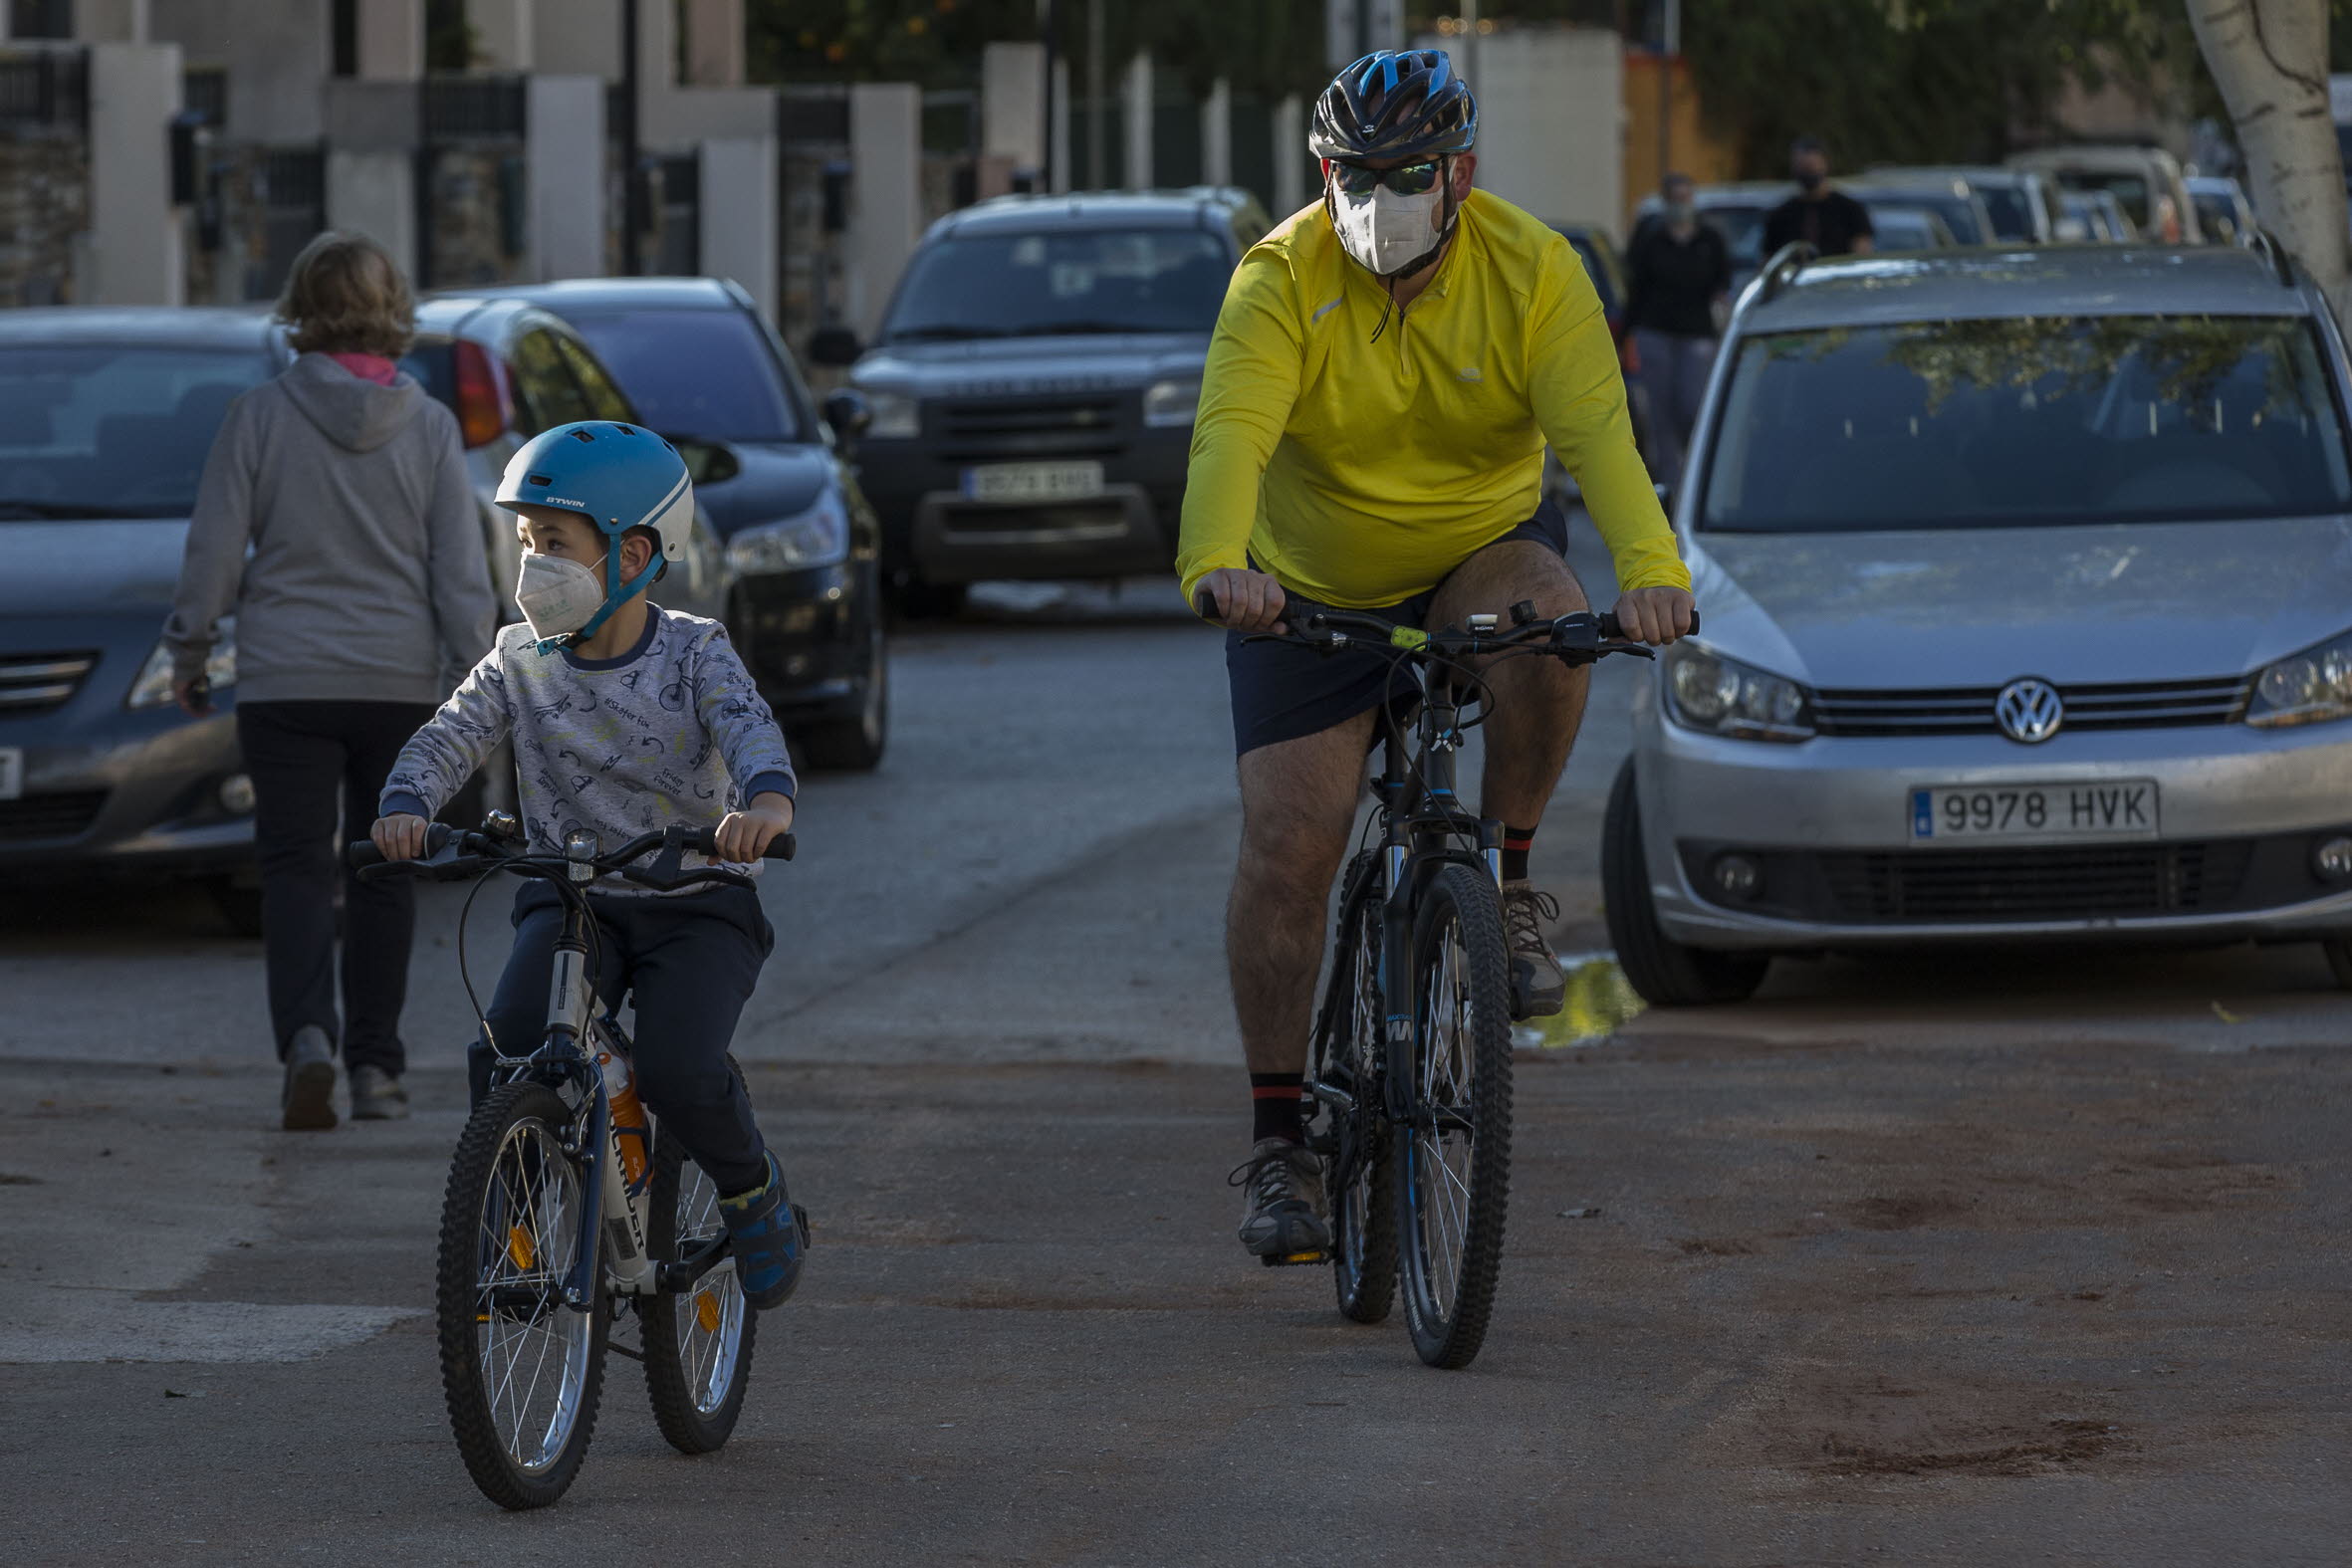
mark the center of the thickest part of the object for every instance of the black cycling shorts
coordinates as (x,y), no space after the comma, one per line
(1282,692)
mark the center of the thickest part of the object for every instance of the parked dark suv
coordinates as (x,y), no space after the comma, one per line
(1033,381)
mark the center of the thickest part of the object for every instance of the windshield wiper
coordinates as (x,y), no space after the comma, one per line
(944,330)
(16,509)
(1081,328)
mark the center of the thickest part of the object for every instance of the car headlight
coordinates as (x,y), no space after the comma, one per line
(2311,687)
(1706,691)
(896,416)
(1171,402)
(152,689)
(819,536)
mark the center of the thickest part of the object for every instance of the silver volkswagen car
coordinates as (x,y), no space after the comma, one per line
(2028,592)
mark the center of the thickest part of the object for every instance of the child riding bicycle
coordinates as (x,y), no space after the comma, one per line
(627,717)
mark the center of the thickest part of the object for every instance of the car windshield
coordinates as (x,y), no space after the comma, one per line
(113,430)
(1958,212)
(2129,190)
(1742,229)
(1062,281)
(1901,229)
(695,372)
(2028,421)
(2011,209)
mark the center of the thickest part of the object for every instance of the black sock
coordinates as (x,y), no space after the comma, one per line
(1277,1098)
(1516,842)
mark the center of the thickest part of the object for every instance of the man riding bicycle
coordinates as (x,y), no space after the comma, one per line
(1386,371)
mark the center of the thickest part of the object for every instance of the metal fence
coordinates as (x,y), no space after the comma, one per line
(473,107)
(49,87)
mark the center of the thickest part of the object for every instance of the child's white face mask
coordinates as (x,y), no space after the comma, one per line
(1390,234)
(558,595)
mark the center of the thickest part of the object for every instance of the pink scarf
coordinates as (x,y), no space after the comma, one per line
(368,367)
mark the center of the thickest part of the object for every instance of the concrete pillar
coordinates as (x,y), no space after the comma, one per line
(885,194)
(1060,129)
(739,215)
(1217,135)
(1289,157)
(1013,102)
(564,123)
(577,38)
(135,245)
(1135,96)
(110,21)
(714,44)
(505,31)
(373,190)
(391,39)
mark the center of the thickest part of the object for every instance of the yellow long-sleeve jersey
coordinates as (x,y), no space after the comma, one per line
(1359,472)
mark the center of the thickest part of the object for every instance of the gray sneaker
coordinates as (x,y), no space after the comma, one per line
(376,1096)
(305,1102)
(1538,989)
(1283,1202)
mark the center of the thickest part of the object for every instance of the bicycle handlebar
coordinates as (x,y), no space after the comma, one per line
(453,853)
(1582,632)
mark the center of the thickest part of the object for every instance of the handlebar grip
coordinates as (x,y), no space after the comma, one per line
(1204,604)
(1612,631)
(363,853)
(781,848)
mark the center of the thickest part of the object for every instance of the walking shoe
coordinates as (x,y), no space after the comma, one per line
(376,1096)
(306,1102)
(1537,986)
(769,1234)
(1283,1202)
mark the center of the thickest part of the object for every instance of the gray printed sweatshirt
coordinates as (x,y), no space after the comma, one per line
(673,730)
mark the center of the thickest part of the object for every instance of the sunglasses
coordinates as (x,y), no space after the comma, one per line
(1406,179)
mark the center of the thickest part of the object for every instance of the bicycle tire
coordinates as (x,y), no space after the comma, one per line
(496,1213)
(1453,1180)
(1363,1234)
(698,1342)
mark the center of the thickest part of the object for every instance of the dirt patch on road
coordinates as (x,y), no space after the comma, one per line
(1832,1425)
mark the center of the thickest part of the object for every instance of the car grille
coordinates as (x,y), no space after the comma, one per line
(2034,884)
(1967,710)
(66,815)
(1079,425)
(36,682)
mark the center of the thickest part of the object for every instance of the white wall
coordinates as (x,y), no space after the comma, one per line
(134,248)
(564,125)
(391,38)
(885,194)
(505,31)
(714,42)
(739,215)
(1013,102)
(1552,120)
(110,21)
(1217,135)
(577,38)
(375,192)
(276,51)
(1289,157)
(1135,98)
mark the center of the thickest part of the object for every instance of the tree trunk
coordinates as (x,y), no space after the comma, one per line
(2269,59)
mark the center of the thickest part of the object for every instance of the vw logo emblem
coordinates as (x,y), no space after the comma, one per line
(2029,711)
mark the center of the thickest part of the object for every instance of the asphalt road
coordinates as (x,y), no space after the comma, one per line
(2018,1259)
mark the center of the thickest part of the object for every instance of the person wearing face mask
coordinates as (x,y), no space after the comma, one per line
(626,718)
(335,524)
(1386,370)
(1830,221)
(1680,269)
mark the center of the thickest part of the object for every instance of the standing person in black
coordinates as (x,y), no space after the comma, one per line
(1830,221)
(1680,268)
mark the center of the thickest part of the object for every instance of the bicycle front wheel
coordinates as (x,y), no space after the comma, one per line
(1453,1152)
(698,1341)
(520,1370)
(1358,1174)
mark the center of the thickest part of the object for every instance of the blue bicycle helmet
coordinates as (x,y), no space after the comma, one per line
(616,476)
(1395,104)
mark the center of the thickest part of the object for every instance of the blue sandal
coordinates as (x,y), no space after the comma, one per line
(769,1236)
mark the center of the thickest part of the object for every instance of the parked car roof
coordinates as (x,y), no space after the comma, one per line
(157,325)
(2061,279)
(669,293)
(1099,208)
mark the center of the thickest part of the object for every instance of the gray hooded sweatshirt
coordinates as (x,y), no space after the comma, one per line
(334,520)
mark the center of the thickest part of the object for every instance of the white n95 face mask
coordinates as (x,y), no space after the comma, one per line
(558,595)
(1390,234)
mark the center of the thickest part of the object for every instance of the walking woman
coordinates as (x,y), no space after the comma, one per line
(1680,269)
(335,524)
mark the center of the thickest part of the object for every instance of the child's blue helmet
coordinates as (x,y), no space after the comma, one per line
(616,476)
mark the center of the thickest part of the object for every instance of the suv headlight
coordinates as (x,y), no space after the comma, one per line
(152,689)
(2311,687)
(1168,403)
(819,536)
(896,416)
(1706,691)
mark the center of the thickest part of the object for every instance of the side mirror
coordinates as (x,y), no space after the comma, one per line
(707,462)
(834,345)
(848,414)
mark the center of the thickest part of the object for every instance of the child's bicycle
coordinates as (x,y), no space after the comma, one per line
(561,1215)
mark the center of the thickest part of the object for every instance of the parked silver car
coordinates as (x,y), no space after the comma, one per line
(2027,590)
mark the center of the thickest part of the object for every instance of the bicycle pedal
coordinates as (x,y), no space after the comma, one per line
(1287,1260)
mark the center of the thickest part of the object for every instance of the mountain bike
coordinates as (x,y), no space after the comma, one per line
(567,1206)
(1409,1071)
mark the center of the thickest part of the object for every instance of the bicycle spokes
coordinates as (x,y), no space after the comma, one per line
(533,1348)
(1443,1141)
(709,1316)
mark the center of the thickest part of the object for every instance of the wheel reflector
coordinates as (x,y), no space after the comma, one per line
(706,1311)
(519,1247)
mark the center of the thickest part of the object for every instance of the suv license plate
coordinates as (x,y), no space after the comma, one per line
(2109,809)
(1033,482)
(12,773)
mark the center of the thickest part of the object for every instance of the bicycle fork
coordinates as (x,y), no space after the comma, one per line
(608,1209)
